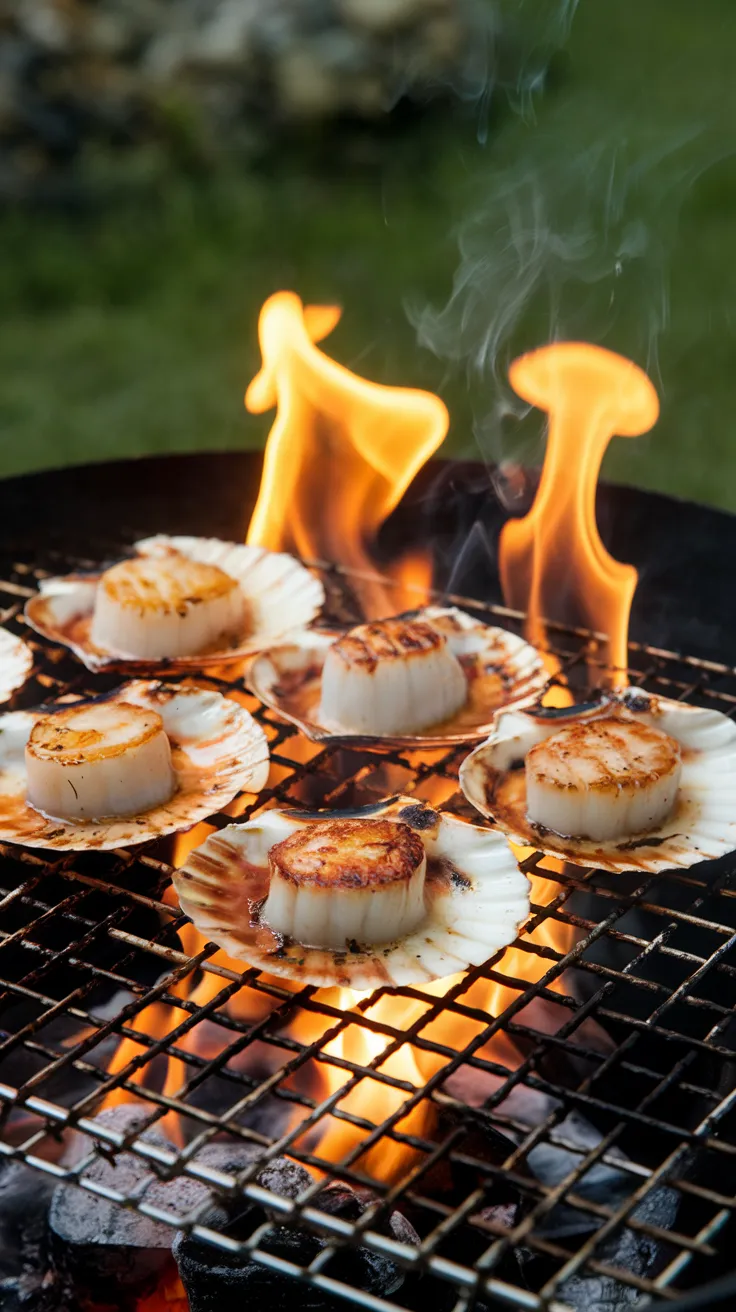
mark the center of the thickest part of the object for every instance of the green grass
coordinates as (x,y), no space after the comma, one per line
(603,210)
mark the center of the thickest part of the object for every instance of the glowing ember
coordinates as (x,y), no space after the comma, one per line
(170,1296)
(372,1099)
(553,563)
(340,455)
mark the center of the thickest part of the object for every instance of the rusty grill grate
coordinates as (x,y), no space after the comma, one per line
(89,951)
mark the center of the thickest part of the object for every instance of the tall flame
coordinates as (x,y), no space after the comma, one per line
(341,453)
(554,565)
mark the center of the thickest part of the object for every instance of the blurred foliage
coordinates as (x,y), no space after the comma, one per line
(129,315)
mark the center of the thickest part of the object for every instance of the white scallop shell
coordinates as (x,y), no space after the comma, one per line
(701,827)
(283,596)
(217,751)
(289,680)
(477,897)
(16,663)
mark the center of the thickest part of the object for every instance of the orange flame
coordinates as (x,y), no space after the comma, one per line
(341,453)
(169,1296)
(553,563)
(371,1098)
(374,1101)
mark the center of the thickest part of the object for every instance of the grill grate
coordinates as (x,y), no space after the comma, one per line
(628,1031)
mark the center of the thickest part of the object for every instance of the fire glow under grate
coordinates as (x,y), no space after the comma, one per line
(558,1121)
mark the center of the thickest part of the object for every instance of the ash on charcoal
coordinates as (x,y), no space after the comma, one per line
(550,1162)
(217,1281)
(26,1285)
(94,1241)
(451,1180)
(603,1183)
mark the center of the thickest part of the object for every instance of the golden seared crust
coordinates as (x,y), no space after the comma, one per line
(83,734)
(612,753)
(387,640)
(168,586)
(348,854)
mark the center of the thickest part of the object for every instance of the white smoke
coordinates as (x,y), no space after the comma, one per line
(563,246)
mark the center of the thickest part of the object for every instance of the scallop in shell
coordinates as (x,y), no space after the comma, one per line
(275,596)
(215,750)
(683,765)
(16,663)
(429,678)
(243,886)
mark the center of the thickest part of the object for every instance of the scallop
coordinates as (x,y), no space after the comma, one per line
(604,778)
(154,609)
(429,678)
(391,894)
(146,760)
(101,759)
(394,676)
(339,882)
(631,782)
(178,603)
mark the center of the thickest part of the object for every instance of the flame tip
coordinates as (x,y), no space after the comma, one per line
(549,374)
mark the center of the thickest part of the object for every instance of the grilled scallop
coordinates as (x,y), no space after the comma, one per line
(603,779)
(346,881)
(393,676)
(146,760)
(393,893)
(630,781)
(157,608)
(437,668)
(101,759)
(207,600)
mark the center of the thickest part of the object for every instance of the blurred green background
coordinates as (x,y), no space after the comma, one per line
(597,201)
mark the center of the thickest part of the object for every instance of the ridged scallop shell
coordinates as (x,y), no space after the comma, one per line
(501,668)
(283,596)
(701,827)
(217,749)
(477,898)
(16,663)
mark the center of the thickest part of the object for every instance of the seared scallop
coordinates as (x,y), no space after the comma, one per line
(339,882)
(101,759)
(393,676)
(154,608)
(603,778)
(629,781)
(395,893)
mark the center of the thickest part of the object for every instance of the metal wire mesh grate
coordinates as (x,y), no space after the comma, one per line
(602,1047)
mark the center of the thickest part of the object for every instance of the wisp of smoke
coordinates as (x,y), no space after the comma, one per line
(563,247)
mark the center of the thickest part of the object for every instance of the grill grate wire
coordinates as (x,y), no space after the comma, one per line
(88,943)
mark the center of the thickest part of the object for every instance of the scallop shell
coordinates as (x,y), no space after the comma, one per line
(701,827)
(16,663)
(217,750)
(283,597)
(476,894)
(500,666)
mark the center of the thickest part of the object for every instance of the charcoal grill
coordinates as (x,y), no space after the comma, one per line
(653,964)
